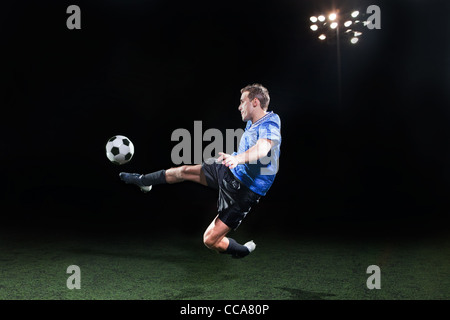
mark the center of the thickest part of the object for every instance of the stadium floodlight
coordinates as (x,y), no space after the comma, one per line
(343,26)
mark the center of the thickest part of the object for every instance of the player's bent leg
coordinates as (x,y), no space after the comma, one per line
(215,238)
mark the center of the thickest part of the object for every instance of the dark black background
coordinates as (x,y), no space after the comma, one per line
(378,159)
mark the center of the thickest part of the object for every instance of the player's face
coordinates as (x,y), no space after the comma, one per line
(245,107)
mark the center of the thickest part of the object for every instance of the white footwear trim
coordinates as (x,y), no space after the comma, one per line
(251,246)
(146,189)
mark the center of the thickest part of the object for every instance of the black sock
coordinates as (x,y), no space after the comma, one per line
(236,250)
(158,177)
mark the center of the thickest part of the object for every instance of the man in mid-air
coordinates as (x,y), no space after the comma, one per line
(241,178)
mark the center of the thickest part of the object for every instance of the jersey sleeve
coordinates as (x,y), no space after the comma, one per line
(270,130)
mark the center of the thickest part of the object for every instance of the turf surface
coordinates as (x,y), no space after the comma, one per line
(283,267)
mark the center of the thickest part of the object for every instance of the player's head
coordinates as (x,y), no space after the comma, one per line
(258,92)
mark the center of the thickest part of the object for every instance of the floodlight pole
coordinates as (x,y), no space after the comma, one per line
(339,66)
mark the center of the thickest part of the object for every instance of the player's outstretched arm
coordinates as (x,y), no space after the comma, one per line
(258,151)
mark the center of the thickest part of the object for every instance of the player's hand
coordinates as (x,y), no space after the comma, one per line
(228,160)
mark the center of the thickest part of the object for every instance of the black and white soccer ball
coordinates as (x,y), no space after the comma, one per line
(119,149)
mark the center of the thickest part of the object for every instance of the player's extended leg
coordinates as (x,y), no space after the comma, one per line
(173,175)
(192,173)
(215,238)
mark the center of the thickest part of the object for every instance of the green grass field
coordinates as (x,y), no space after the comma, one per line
(140,266)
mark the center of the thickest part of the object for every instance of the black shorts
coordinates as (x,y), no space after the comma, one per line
(235,199)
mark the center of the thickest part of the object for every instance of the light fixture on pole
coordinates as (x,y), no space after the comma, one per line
(351,23)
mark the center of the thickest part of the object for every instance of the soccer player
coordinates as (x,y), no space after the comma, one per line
(241,178)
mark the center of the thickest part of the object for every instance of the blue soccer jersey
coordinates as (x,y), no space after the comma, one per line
(259,176)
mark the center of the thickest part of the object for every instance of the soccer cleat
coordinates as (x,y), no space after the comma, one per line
(134,178)
(251,246)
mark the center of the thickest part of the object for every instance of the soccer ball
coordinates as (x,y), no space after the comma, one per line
(119,149)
